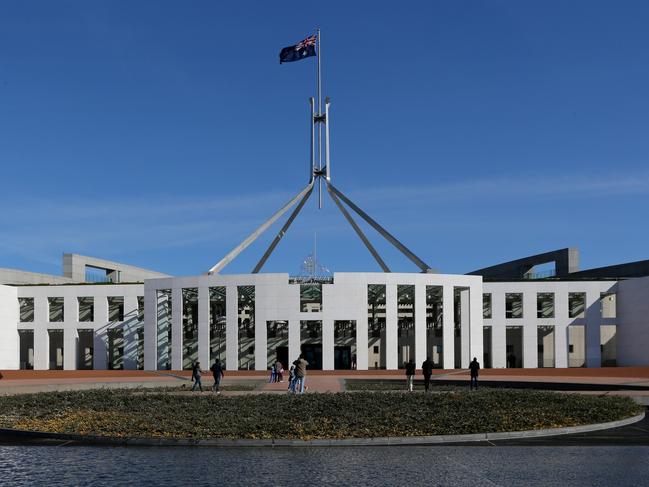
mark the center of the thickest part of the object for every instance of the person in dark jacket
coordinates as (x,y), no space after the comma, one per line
(300,373)
(427,370)
(217,373)
(196,376)
(410,374)
(474,367)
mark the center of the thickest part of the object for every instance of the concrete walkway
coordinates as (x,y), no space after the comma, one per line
(630,381)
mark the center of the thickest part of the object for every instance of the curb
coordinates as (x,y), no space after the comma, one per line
(69,439)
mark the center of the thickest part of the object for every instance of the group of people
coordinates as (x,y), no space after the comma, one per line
(297,376)
(296,383)
(217,373)
(277,372)
(427,371)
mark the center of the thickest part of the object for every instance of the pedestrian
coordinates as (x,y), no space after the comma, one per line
(474,367)
(279,372)
(291,379)
(217,373)
(272,374)
(410,374)
(300,372)
(196,376)
(427,370)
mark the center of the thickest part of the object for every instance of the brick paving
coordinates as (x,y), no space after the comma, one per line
(17,381)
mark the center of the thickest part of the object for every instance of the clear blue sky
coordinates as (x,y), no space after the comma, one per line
(161,133)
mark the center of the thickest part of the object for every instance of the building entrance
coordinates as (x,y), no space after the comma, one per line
(343,358)
(282,355)
(312,354)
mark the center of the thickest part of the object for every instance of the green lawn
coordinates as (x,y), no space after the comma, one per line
(131,413)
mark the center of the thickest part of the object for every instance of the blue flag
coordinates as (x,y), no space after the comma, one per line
(301,50)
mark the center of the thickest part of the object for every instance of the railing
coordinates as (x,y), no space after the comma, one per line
(540,274)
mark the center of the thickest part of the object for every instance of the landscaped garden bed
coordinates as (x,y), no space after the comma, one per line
(129,413)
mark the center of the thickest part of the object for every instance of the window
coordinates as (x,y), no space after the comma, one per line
(608,305)
(376,349)
(576,305)
(310,298)
(513,305)
(486,305)
(116,308)
(86,308)
(545,305)
(140,308)
(55,309)
(26,309)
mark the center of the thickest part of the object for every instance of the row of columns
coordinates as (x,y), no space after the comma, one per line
(592,321)
(471,326)
(70,326)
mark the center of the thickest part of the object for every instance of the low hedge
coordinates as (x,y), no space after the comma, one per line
(129,413)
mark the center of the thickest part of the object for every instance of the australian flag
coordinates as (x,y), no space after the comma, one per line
(301,50)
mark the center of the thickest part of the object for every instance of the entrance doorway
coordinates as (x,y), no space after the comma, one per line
(313,355)
(343,358)
(311,343)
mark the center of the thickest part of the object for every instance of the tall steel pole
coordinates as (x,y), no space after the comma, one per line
(319,89)
(312,175)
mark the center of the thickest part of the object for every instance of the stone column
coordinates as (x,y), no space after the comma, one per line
(593,337)
(498,331)
(204,326)
(100,338)
(70,337)
(129,329)
(100,349)
(150,329)
(261,338)
(561,330)
(420,324)
(448,327)
(465,328)
(475,322)
(177,351)
(41,348)
(294,341)
(362,337)
(327,344)
(391,324)
(530,333)
(231,328)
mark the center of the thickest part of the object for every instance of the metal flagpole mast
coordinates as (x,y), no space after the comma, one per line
(319,82)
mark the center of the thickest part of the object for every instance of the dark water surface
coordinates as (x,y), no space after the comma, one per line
(470,466)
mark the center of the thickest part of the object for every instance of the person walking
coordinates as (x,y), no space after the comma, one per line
(291,379)
(217,373)
(279,372)
(196,376)
(427,370)
(474,367)
(272,377)
(300,372)
(410,374)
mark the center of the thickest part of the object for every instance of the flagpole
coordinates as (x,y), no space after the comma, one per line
(319,82)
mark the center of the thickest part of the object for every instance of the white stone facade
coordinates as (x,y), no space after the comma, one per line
(528,323)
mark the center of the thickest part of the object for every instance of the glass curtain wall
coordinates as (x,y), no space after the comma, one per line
(434,325)
(246,313)
(190,327)
(405,324)
(376,326)
(163,327)
(311,343)
(217,324)
(116,348)
(277,343)
(344,345)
